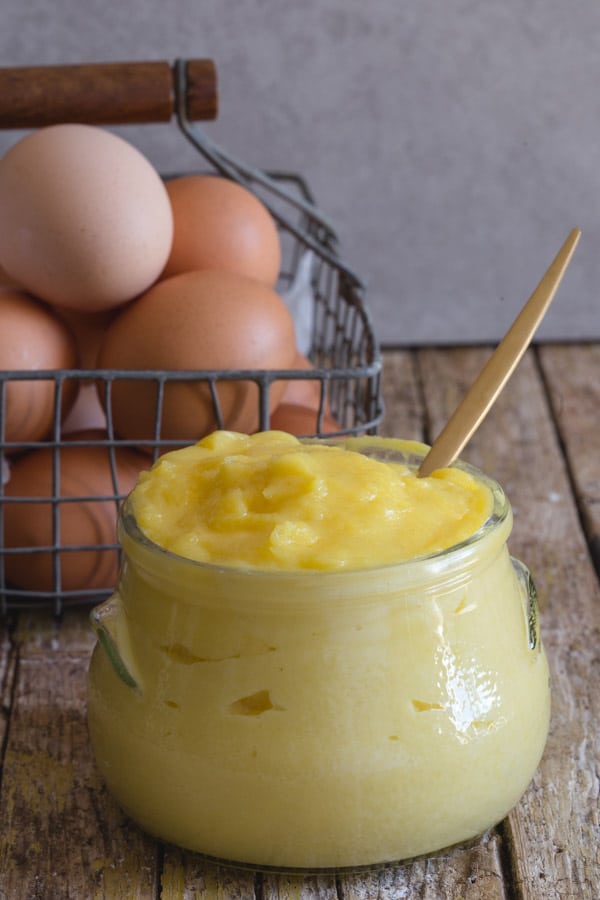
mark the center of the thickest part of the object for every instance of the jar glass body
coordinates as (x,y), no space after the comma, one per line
(320,721)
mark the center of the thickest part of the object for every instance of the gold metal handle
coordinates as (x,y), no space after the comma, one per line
(485,389)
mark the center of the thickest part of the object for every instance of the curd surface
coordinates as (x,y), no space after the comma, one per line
(269,501)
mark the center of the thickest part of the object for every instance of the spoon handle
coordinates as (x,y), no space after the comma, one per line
(483,392)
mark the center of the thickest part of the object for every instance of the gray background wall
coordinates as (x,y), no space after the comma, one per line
(454,143)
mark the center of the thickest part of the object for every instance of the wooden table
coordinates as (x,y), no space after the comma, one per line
(63,837)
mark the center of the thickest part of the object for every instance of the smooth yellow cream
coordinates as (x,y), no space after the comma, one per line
(337,716)
(269,501)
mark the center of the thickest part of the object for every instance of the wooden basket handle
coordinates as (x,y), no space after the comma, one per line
(104,93)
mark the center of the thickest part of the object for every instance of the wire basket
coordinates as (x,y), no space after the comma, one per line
(74,528)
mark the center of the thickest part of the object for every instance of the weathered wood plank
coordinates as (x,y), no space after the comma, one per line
(38,633)
(404,414)
(472,872)
(8,660)
(186,876)
(554,832)
(572,373)
(290,887)
(62,836)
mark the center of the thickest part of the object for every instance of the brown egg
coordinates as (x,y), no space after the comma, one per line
(84,471)
(303,391)
(32,338)
(87,411)
(85,220)
(219,224)
(88,329)
(301,421)
(6,280)
(197,320)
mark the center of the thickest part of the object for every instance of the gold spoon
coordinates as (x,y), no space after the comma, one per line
(483,392)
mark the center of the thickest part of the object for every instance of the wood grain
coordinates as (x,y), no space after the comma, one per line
(290,887)
(572,374)
(186,876)
(38,633)
(404,413)
(103,93)
(8,664)
(62,836)
(470,872)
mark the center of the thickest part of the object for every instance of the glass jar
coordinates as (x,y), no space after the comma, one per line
(320,721)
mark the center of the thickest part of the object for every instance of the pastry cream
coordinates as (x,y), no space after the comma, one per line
(271,502)
(328,707)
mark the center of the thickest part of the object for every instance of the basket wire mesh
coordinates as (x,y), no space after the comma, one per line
(339,342)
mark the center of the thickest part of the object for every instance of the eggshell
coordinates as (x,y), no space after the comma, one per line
(219,224)
(301,421)
(84,471)
(85,220)
(303,391)
(7,281)
(32,338)
(198,320)
(87,411)
(88,329)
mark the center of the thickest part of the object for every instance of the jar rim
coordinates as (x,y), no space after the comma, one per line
(409,453)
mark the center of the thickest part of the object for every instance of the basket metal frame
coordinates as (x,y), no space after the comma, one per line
(344,352)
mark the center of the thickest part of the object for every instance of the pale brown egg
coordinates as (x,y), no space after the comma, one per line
(32,338)
(85,220)
(302,421)
(219,224)
(85,472)
(198,320)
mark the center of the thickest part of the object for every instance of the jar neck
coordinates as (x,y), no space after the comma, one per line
(183,580)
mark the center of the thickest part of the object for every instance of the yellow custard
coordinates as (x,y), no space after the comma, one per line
(346,709)
(268,501)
